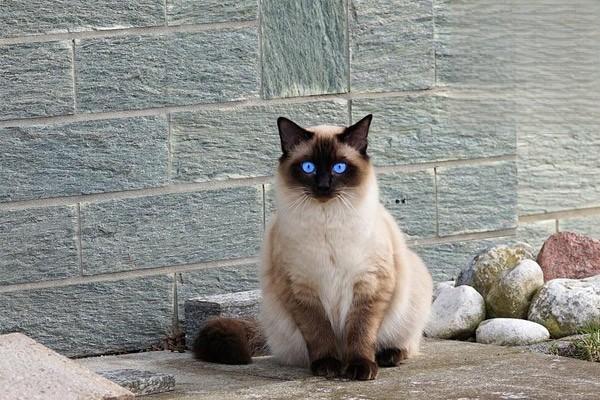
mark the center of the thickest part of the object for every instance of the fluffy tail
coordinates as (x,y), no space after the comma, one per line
(229,341)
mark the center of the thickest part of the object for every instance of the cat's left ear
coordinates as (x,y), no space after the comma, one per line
(356,135)
(291,134)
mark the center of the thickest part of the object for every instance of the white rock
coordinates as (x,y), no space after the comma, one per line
(565,306)
(437,288)
(455,313)
(510,332)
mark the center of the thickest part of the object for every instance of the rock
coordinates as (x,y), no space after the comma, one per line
(569,255)
(565,306)
(511,295)
(455,313)
(485,268)
(437,288)
(141,382)
(510,332)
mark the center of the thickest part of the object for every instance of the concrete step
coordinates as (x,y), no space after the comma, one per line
(234,305)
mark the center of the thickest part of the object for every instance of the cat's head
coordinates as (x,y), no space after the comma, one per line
(324,162)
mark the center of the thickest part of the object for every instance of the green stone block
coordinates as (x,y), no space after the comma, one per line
(535,233)
(35,80)
(391,45)
(83,157)
(38,244)
(304,47)
(171,229)
(477,198)
(241,142)
(414,129)
(181,12)
(588,225)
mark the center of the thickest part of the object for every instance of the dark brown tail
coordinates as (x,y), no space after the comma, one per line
(228,341)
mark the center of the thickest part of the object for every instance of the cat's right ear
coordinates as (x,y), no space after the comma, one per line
(291,134)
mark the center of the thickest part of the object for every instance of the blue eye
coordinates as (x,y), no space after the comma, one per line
(339,168)
(308,167)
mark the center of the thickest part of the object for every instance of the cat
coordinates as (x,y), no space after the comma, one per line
(342,293)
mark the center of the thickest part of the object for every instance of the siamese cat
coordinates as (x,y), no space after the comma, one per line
(342,293)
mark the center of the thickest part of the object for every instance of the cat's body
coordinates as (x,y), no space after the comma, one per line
(341,290)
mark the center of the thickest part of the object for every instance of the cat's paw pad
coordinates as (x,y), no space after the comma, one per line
(361,369)
(328,367)
(390,357)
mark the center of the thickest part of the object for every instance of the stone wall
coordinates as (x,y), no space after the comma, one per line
(138,140)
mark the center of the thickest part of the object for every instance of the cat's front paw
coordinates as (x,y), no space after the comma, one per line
(361,369)
(328,367)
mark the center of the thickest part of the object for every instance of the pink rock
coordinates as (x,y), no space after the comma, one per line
(569,255)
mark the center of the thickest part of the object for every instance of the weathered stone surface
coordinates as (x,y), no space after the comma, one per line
(240,142)
(29,370)
(233,305)
(410,198)
(411,129)
(510,332)
(569,255)
(35,80)
(304,48)
(565,306)
(38,244)
(511,295)
(209,11)
(23,17)
(140,382)
(486,268)
(564,347)
(445,260)
(438,287)
(92,318)
(171,229)
(535,233)
(589,225)
(391,47)
(491,193)
(150,71)
(83,157)
(474,43)
(455,313)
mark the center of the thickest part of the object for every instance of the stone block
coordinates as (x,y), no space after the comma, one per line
(171,229)
(180,12)
(588,225)
(231,305)
(83,157)
(38,244)
(536,233)
(139,382)
(304,48)
(35,80)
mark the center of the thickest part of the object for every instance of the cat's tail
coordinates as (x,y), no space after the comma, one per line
(229,341)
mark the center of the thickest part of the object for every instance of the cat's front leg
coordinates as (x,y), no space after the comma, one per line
(369,302)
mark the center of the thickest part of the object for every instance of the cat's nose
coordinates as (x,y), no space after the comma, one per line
(323,184)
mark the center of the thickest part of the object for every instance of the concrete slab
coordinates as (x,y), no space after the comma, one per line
(31,371)
(445,370)
(140,382)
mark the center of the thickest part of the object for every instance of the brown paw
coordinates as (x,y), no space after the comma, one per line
(328,367)
(390,357)
(361,369)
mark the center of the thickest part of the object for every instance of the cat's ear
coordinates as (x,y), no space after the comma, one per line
(356,135)
(291,134)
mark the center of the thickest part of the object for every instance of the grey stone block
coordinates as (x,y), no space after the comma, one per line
(391,45)
(35,80)
(92,318)
(140,382)
(474,43)
(241,142)
(410,198)
(38,244)
(150,71)
(215,281)
(231,305)
(589,225)
(477,198)
(171,229)
(23,17)
(536,233)
(445,260)
(83,157)
(304,48)
(412,129)
(209,11)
